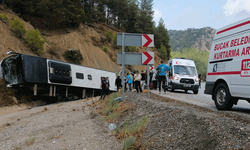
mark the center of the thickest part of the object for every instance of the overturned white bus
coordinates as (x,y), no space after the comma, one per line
(47,77)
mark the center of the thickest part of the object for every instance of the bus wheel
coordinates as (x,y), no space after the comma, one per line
(222,97)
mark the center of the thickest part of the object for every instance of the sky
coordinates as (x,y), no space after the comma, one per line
(184,14)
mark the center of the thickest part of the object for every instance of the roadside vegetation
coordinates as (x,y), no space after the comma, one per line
(128,131)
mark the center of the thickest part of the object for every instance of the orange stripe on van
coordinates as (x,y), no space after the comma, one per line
(224,73)
(233,27)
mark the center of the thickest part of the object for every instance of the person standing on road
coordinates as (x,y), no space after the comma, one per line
(118,82)
(143,77)
(130,81)
(125,82)
(133,75)
(154,80)
(162,68)
(103,87)
(108,91)
(199,76)
(137,81)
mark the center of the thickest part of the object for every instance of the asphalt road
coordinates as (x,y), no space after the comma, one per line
(204,100)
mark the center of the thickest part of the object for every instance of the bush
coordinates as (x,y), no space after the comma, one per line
(3,17)
(105,48)
(111,103)
(73,56)
(18,27)
(109,36)
(115,43)
(130,49)
(34,41)
(128,142)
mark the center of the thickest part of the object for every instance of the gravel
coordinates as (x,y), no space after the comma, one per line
(173,125)
(178,125)
(57,127)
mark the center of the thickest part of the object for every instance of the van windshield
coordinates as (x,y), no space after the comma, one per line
(185,70)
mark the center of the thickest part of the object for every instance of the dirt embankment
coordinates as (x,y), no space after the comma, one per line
(87,38)
(77,125)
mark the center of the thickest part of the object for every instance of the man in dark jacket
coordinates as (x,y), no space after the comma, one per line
(118,82)
(104,88)
(143,79)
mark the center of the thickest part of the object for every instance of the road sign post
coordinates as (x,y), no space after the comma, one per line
(134,39)
(123,62)
(148,76)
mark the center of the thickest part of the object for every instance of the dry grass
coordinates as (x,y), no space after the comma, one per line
(129,133)
(10,96)
(7,95)
(30,141)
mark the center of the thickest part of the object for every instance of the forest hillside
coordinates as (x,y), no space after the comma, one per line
(200,39)
(90,39)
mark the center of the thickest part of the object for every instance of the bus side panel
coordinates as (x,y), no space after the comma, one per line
(91,77)
(35,69)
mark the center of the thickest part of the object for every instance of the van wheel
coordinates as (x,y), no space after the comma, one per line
(186,91)
(222,97)
(195,91)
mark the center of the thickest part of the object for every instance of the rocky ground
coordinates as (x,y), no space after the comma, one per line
(173,125)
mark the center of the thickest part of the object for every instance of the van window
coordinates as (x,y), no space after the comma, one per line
(185,70)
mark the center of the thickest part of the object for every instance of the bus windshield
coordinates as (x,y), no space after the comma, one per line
(11,69)
(185,70)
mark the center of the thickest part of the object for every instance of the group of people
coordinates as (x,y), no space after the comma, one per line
(133,80)
(138,80)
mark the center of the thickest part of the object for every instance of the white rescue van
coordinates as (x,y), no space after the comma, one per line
(228,71)
(183,75)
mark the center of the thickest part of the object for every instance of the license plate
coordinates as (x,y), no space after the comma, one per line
(186,85)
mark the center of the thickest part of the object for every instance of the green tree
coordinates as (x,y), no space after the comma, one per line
(145,17)
(34,41)
(18,27)
(162,38)
(52,13)
(131,16)
(163,52)
(63,12)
